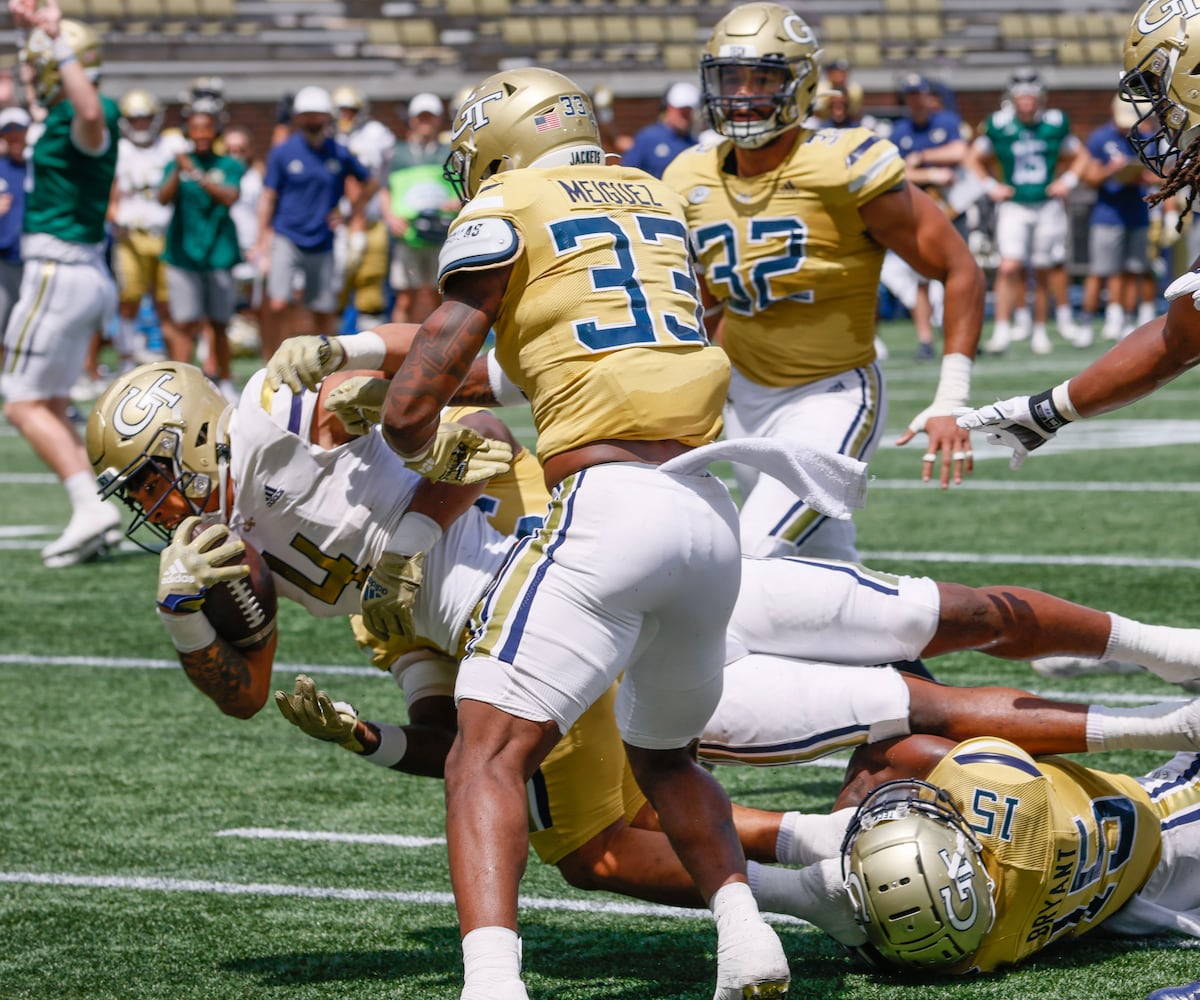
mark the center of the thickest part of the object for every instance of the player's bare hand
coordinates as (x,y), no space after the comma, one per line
(949,444)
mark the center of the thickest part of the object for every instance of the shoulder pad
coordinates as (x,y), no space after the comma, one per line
(477,244)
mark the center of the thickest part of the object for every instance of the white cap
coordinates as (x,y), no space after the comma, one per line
(425,104)
(18,117)
(312,100)
(683,95)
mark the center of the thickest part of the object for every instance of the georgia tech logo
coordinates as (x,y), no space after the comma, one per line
(137,408)
(474,115)
(1148,23)
(963,877)
(799,32)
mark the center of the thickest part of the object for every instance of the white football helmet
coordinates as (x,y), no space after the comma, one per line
(1162,80)
(39,55)
(759,56)
(520,118)
(167,413)
(915,875)
(140,104)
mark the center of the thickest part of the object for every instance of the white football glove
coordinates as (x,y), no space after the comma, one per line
(323,719)
(389,593)
(358,402)
(1185,284)
(189,566)
(1023,423)
(302,362)
(460,455)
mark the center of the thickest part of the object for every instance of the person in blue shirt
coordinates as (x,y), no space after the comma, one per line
(658,144)
(14,122)
(932,143)
(297,214)
(1119,227)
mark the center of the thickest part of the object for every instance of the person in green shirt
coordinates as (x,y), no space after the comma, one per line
(67,292)
(202,247)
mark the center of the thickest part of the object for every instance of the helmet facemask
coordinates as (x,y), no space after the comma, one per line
(1147,86)
(738,116)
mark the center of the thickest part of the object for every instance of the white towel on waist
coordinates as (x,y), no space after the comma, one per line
(830,483)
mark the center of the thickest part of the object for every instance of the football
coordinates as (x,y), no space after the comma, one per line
(243,611)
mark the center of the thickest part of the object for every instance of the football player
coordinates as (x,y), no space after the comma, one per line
(1028,142)
(67,293)
(966,857)
(139,224)
(1160,82)
(594,824)
(791,228)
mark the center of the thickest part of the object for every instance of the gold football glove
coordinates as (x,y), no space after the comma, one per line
(313,712)
(302,362)
(357,402)
(389,593)
(189,566)
(460,455)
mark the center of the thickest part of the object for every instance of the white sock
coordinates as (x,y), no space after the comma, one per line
(491,955)
(1145,313)
(815,894)
(1147,727)
(1171,653)
(1039,330)
(1114,316)
(1063,317)
(733,903)
(81,491)
(1022,317)
(393,745)
(125,338)
(806,838)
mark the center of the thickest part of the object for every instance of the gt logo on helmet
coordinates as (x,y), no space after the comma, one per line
(799,32)
(145,403)
(962,875)
(474,115)
(1169,8)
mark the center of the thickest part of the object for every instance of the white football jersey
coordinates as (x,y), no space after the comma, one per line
(140,171)
(321,517)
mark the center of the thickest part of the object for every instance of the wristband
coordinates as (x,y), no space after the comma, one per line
(1070,179)
(393,745)
(1062,400)
(1045,412)
(506,391)
(364,350)
(61,49)
(415,533)
(990,184)
(954,383)
(188,632)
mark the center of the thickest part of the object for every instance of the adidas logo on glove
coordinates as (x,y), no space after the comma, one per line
(177,573)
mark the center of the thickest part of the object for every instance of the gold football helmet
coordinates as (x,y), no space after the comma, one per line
(39,55)
(346,97)
(140,104)
(914,872)
(520,118)
(166,413)
(759,73)
(1162,80)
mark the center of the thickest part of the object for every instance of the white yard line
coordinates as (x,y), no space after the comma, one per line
(324,836)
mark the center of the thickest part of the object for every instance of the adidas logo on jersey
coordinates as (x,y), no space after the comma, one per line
(273,495)
(177,573)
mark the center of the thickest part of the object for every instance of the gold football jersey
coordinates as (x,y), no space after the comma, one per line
(600,325)
(787,252)
(1066,845)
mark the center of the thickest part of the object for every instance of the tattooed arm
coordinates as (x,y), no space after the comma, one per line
(440,358)
(237,680)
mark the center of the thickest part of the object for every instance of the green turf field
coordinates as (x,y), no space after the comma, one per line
(151,847)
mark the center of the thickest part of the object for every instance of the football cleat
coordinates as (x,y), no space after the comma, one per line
(751,963)
(1039,342)
(88,534)
(759,73)
(520,118)
(1189,992)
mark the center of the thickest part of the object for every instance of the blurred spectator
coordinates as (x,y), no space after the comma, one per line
(841,108)
(1118,229)
(138,221)
(614,141)
(418,206)
(202,249)
(1027,141)
(297,215)
(659,143)
(248,279)
(14,125)
(362,251)
(930,140)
